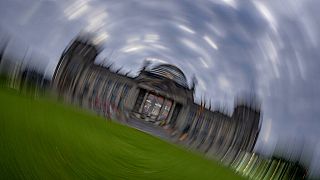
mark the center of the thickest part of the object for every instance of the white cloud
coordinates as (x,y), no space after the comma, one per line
(186,29)
(210,42)
(266,14)
(77,9)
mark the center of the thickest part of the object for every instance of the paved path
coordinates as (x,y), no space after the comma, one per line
(149,128)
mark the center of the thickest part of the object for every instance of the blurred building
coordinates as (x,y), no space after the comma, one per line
(255,166)
(159,94)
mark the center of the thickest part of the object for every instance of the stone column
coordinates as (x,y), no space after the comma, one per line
(144,100)
(170,113)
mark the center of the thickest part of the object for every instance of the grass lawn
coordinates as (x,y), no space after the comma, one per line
(42,139)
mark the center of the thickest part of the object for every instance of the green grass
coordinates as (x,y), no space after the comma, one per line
(42,139)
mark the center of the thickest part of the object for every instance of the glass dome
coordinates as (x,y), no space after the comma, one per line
(170,72)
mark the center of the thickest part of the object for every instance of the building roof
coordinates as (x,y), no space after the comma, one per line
(171,72)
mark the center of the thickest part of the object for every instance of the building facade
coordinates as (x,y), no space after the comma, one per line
(159,94)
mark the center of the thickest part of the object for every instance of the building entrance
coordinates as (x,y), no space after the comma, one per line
(156,107)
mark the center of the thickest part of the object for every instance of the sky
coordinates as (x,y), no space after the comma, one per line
(267,47)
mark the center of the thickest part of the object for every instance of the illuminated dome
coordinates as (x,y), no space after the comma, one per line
(170,72)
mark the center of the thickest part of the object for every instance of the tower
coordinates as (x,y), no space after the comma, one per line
(80,54)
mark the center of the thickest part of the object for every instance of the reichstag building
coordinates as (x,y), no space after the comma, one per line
(158,94)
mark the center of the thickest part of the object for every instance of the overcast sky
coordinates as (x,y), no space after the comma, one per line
(270,47)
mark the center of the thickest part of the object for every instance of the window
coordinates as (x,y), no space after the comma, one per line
(165,110)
